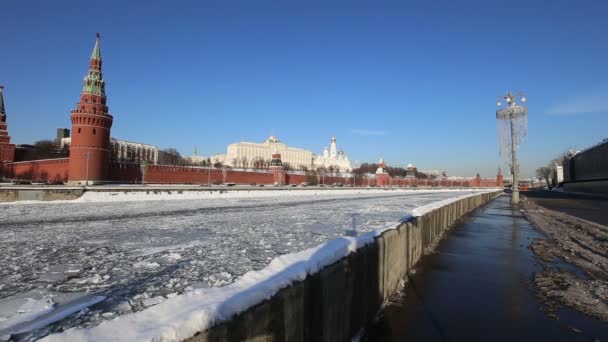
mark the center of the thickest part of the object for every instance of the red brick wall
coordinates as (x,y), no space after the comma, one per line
(52,170)
(166,174)
(291,178)
(56,170)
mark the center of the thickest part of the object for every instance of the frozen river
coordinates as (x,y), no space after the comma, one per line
(89,261)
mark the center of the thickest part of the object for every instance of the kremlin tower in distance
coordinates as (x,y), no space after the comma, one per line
(277,169)
(7,150)
(91,123)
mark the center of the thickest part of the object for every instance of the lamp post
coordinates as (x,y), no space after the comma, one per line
(513,127)
(143,167)
(88,156)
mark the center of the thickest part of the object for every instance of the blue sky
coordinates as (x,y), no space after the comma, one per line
(413,82)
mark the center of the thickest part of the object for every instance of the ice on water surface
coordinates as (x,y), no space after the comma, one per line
(97,260)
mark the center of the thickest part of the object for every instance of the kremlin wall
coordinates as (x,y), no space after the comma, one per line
(90,156)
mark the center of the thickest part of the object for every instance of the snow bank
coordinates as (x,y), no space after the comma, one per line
(182,316)
(153,194)
(163,195)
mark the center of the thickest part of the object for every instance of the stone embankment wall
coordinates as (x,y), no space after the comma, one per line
(337,302)
(39,194)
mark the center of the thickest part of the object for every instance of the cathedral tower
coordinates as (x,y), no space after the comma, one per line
(91,123)
(333,149)
(7,150)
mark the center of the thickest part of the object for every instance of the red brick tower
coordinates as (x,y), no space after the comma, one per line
(382,177)
(499,179)
(7,150)
(91,123)
(477,180)
(276,166)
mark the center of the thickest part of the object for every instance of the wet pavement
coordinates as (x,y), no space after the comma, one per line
(587,207)
(478,287)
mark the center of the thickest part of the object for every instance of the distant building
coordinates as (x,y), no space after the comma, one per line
(333,157)
(126,151)
(559,173)
(61,133)
(410,171)
(250,154)
(432,173)
(587,170)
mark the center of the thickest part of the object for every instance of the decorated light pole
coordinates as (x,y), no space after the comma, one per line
(143,167)
(512,129)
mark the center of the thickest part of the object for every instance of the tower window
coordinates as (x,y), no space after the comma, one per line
(93,131)
(78,130)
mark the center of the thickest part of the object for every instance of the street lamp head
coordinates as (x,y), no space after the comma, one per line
(498,103)
(523,99)
(508,99)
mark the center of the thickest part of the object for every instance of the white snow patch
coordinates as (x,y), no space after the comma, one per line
(38,308)
(16,310)
(146,264)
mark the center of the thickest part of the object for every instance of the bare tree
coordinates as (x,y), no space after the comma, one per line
(170,156)
(545,172)
(45,149)
(244,162)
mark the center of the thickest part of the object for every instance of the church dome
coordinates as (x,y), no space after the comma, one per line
(272,139)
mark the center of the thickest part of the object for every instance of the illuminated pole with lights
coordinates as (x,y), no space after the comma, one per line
(512,129)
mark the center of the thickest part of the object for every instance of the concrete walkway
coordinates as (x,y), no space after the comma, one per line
(478,288)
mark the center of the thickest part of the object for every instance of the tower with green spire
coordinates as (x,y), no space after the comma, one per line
(7,150)
(91,124)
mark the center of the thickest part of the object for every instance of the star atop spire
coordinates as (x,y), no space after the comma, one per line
(96,50)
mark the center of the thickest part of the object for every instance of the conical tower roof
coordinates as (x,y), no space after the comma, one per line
(96,50)
(93,82)
(2,110)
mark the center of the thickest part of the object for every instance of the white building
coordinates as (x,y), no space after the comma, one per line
(559,173)
(333,157)
(127,151)
(249,154)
